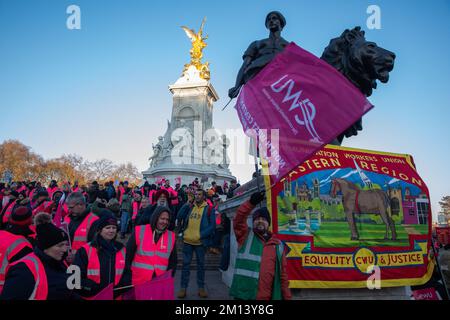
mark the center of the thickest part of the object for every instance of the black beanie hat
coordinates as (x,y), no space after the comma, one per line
(262,212)
(21,216)
(49,235)
(106,220)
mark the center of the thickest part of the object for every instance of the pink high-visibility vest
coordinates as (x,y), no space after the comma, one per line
(136,207)
(150,257)
(93,268)
(10,245)
(8,212)
(36,267)
(81,234)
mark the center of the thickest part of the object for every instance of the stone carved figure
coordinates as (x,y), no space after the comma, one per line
(225,144)
(167,144)
(360,61)
(157,152)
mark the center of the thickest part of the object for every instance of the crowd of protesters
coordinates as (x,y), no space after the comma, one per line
(45,229)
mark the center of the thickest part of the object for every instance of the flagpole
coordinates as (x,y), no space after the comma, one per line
(255,157)
(126,287)
(227,104)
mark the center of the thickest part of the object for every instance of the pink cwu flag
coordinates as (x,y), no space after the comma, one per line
(306,99)
(105,294)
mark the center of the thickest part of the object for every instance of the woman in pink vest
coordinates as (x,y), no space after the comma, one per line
(102,261)
(41,275)
(151,249)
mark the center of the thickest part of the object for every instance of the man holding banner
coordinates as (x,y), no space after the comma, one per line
(260,269)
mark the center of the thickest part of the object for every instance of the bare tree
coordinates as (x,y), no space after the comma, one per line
(127,171)
(101,169)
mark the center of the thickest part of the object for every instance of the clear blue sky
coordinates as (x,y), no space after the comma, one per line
(101,91)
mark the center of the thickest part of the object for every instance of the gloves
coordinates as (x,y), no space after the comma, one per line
(257,197)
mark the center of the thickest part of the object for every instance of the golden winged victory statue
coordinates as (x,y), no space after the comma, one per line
(198,44)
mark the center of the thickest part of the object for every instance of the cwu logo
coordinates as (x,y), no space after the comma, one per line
(304,109)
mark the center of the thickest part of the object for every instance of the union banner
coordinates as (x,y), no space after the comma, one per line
(346,215)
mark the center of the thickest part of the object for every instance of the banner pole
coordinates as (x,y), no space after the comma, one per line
(227,104)
(255,157)
(126,287)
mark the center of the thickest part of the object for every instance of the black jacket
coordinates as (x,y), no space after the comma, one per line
(19,283)
(107,258)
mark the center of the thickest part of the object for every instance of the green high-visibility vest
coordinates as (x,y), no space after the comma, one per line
(246,270)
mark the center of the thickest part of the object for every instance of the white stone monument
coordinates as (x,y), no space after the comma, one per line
(191,148)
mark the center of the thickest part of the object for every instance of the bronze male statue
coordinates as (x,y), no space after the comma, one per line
(261,52)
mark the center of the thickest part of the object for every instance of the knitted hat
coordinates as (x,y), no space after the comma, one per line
(21,216)
(49,235)
(262,212)
(106,220)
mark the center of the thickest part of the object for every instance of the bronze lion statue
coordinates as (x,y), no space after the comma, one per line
(360,61)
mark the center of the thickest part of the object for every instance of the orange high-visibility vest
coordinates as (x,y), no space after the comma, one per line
(136,207)
(8,212)
(81,234)
(36,267)
(93,268)
(150,257)
(10,245)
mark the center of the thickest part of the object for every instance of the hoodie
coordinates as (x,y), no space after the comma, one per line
(132,247)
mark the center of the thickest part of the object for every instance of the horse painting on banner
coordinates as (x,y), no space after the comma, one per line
(357,201)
